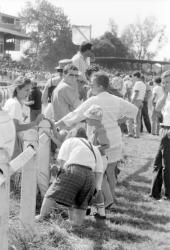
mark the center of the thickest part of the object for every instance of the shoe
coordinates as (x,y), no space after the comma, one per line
(130,135)
(88,211)
(154,198)
(98,216)
(165,198)
(38,218)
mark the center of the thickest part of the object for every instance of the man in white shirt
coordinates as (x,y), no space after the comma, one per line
(82,59)
(137,98)
(113,108)
(157,93)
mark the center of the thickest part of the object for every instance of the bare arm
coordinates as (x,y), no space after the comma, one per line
(44,98)
(161,103)
(26,126)
(135,96)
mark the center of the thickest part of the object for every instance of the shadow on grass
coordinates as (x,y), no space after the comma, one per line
(136,175)
(100,234)
(140,212)
(136,222)
(129,209)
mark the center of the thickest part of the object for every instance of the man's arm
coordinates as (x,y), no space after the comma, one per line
(127,109)
(135,96)
(75,116)
(161,102)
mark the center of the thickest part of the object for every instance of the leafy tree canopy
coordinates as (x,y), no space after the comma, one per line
(50,31)
(144,39)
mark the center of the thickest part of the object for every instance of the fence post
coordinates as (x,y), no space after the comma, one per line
(29,183)
(4,198)
(43,156)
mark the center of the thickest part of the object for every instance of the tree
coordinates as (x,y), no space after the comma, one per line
(109,45)
(50,33)
(138,37)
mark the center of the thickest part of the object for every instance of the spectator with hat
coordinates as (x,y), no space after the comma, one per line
(66,95)
(48,90)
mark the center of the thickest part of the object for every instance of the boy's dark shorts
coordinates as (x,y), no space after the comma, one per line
(73,187)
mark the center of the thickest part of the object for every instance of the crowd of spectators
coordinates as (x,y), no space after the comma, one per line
(90,111)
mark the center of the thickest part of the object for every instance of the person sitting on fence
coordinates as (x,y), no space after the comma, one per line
(80,162)
(15,108)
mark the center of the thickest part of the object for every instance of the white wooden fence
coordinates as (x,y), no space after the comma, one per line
(32,161)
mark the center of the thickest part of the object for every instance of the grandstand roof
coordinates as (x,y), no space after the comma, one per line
(16,34)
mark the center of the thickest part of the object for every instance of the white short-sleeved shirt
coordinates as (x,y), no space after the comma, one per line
(166,113)
(81,63)
(14,109)
(113,108)
(74,151)
(158,91)
(7,140)
(140,86)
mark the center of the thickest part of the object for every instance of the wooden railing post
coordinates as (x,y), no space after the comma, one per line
(29,182)
(43,157)
(4,198)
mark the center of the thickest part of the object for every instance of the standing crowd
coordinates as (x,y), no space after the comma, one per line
(89,112)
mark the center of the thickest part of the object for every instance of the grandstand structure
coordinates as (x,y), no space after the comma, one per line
(133,62)
(11,34)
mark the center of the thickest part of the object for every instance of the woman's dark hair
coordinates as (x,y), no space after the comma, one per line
(91,69)
(137,74)
(158,80)
(85,46)
(20,83)
(81,132)
(102,79)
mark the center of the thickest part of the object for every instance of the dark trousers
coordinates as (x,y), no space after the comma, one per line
(34,113)
(145,117)
(162,169)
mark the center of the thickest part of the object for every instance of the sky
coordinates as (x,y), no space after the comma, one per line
(98,12)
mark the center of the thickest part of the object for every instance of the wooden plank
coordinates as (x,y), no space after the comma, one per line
(4,199)
(28,193)
(22,159)
(43,159)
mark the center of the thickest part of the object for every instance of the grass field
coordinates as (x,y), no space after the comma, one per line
(136,222)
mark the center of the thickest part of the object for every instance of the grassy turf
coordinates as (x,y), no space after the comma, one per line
(135,223)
